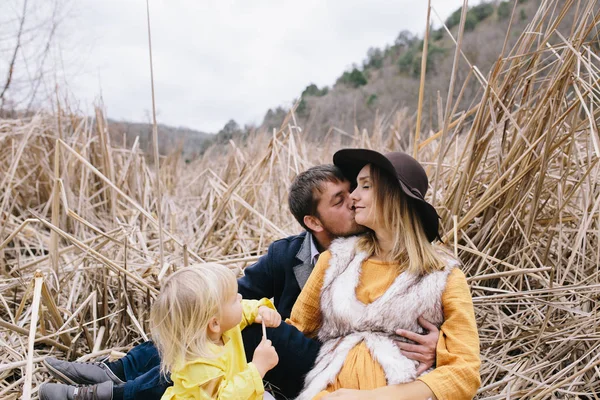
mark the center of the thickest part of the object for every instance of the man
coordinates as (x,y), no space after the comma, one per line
(319,199)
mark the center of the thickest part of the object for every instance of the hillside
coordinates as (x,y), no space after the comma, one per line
(388,78)
(369,94)
(189,140)
(89,231)
(124,134)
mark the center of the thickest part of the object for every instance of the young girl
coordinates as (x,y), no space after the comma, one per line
(196,322)
(365,288)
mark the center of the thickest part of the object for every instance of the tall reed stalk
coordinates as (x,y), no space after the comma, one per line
(517,189)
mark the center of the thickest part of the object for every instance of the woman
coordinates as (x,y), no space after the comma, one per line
(364,288)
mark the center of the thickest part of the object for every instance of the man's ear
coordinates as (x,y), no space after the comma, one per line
(214,326)
(313,223)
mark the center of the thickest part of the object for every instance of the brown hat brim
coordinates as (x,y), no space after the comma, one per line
(351,161)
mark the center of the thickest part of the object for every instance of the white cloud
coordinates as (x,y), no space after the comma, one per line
(217,60)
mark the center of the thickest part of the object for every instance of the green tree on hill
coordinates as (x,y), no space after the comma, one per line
(302,109)
(313,90)
(405,39)
(482,11)
(470,22)
(504,10)
(230,130)
(410,61)
(374,58)
(474,16)
(454,19)
(371,100)
(354,78)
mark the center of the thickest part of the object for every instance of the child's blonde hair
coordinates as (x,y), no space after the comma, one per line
(188,300)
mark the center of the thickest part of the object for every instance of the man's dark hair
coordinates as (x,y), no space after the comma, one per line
(307,187)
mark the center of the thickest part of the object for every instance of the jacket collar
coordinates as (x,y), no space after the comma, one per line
(302,271)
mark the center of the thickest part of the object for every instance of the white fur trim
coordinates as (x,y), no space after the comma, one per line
(332,357)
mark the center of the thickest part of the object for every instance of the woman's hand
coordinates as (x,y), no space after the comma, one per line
(270,317)
(424,350)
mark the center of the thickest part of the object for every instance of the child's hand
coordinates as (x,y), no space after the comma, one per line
(265,357)
(270,317)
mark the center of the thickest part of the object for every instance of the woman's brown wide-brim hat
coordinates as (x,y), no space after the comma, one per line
(410,175)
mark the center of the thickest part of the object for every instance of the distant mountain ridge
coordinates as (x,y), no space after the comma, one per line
(191,141)
(124,133)
(387,81)
(388,78)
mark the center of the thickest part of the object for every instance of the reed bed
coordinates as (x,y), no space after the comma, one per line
(515,177)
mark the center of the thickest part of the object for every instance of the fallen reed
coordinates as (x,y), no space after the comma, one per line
(517,185)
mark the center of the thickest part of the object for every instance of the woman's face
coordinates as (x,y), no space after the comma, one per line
(363,198)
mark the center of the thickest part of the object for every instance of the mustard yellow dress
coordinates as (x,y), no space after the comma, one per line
(456,375)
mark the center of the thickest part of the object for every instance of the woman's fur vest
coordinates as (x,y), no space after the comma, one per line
(346,321)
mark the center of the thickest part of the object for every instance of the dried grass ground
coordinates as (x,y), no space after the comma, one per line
(516,183)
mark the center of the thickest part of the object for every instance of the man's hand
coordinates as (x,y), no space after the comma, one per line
(424,349)
(270,317)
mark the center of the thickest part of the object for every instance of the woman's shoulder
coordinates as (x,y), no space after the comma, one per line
(450,261)
(457,285)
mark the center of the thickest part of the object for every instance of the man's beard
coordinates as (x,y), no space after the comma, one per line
(355,230)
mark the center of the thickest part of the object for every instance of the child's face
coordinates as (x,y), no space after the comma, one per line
(231,311)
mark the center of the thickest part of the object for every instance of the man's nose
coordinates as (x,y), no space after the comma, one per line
(350,203)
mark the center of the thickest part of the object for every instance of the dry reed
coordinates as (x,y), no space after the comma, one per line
(517,189)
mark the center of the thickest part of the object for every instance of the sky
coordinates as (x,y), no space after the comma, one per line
(221,60)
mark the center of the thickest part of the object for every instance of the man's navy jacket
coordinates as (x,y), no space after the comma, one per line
(280,274)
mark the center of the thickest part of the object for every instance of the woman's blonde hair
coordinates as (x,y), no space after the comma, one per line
(187,301)
(398,214)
